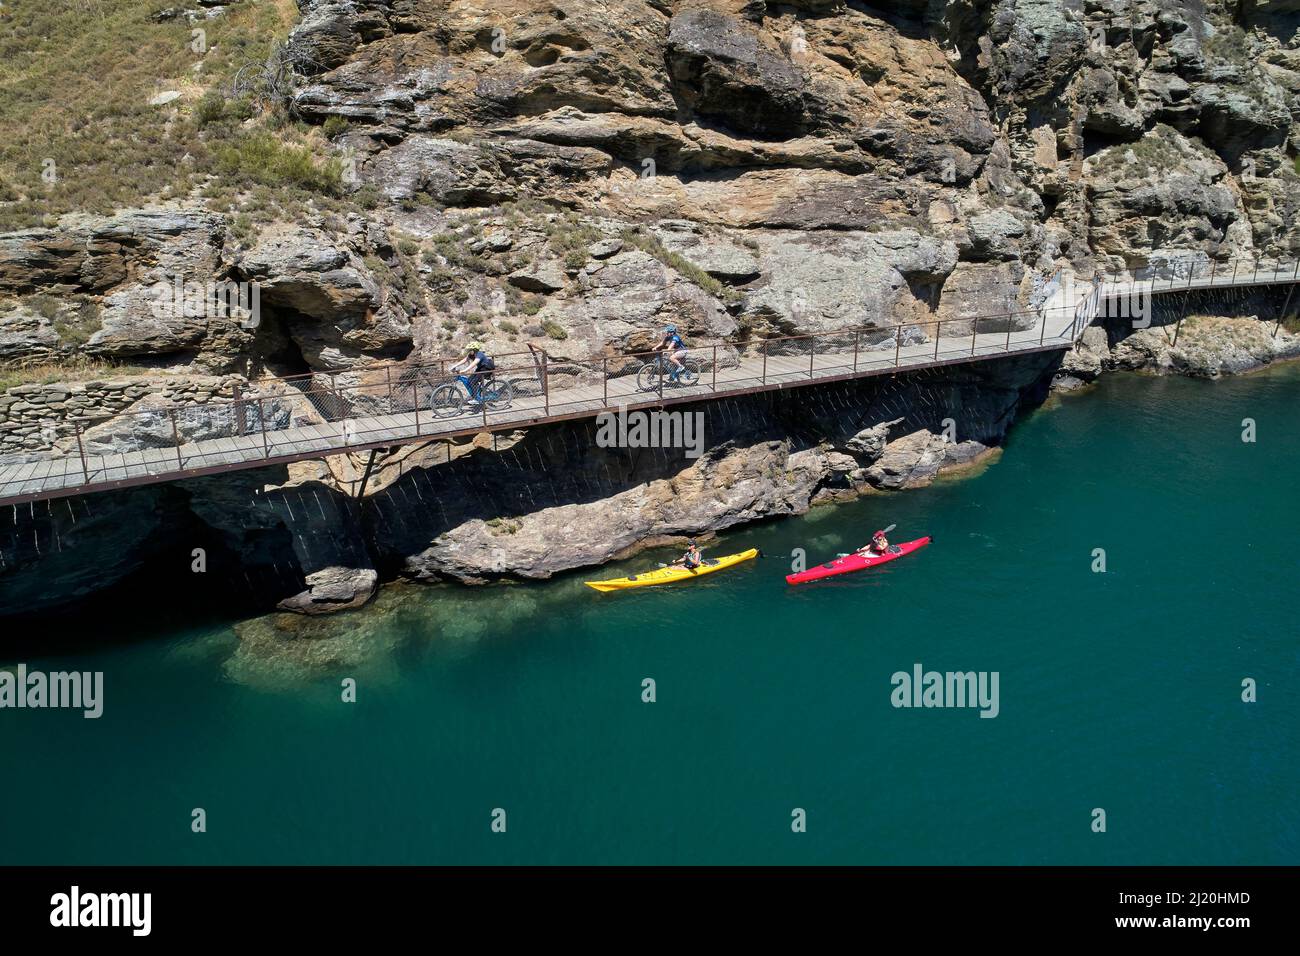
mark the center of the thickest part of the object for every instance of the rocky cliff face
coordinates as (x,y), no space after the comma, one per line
(804,165)
(577,173)
(1201,334)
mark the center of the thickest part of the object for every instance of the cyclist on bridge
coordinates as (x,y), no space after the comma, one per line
(671,343)
(472,370)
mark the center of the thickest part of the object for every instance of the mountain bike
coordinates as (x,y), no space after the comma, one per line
(450,399)
(648,376)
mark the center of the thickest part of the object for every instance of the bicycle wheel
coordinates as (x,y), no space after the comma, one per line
(525,387)
(690,374)
(447,401)
(498,394)
(647,380)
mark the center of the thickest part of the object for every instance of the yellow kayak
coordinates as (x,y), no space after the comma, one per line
(669,575)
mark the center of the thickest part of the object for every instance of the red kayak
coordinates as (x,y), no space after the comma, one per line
(856,562)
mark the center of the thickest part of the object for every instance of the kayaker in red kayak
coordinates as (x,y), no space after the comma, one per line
(878,552)
(879,545)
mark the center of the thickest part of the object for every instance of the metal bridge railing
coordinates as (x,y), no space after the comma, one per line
(318,414)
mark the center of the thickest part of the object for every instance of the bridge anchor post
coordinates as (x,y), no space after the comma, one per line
(261,418)
(81,449)
(365,477)
(176,437)
(1285,305)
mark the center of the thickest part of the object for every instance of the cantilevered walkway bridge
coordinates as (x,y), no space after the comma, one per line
(277,421)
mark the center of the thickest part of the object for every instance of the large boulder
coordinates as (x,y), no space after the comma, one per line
(735,485)
(1034,46)
(719,255)
(1207,347)
(333,589)
(822,282)
(619,303)
(725,71)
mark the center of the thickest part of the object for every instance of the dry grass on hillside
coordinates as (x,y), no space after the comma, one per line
(77,132)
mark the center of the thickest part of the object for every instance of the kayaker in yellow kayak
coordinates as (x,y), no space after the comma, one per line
(678,571)
(691,560)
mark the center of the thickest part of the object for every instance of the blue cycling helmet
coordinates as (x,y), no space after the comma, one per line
(670,328)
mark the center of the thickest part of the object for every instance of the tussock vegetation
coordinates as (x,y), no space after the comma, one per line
(75,327)
(1229,45)
(79,368)
(263,159)
(455,250)
(76,78)
(650,245)
(523,212)
(1159,148)
(569,238)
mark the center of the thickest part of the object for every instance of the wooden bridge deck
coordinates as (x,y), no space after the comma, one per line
(1057,326)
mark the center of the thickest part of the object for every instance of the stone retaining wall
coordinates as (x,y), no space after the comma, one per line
(33,417)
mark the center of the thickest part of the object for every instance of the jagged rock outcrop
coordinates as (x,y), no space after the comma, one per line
(333,589)
(1206,347)
(26,333)
(149,284)
(1166,192)
(1201,334)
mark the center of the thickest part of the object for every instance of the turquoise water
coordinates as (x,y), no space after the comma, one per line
(1119,690)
